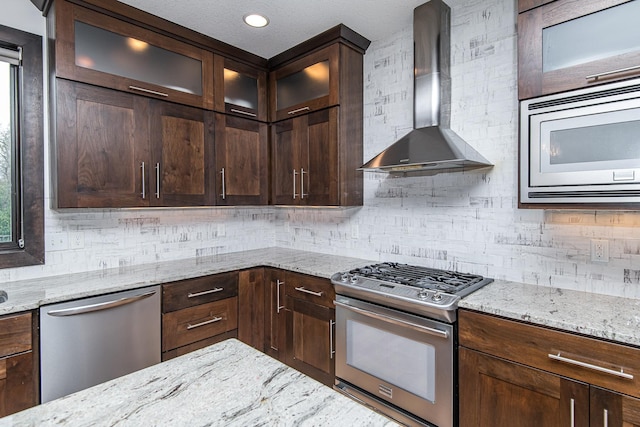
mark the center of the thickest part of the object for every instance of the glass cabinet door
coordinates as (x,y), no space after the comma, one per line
(565,45)
(240,89)
(307,84)
(104,51)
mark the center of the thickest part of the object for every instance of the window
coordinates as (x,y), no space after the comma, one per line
(21,149)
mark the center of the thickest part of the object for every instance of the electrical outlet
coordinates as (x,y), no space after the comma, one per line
(76,240)
(56,242)
(599,250)
(221,230)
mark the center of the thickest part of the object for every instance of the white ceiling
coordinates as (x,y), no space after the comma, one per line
(291,21)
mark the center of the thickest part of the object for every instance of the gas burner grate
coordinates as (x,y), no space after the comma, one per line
(422,277)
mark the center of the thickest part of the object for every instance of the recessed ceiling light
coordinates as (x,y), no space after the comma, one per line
(255,20)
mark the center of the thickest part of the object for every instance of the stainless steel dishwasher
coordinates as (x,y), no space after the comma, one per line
(92,340)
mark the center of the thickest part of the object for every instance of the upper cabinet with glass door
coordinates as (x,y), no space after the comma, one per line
(104,51)
(307,84)
(239,89)
(568,44)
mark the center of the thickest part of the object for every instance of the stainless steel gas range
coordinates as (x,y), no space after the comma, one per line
(396,339)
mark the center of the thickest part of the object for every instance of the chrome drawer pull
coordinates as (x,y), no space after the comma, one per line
(307,291)
(246,113)
(206,322)
(605,422)
(332,325)
(298,110)
(608,73)
(210,291)
(295,173)
(152,92)
(573,413)
(144,193)
(224,190)
(279,307)
(613,372)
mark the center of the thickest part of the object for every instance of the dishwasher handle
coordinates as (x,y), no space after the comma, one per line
(99,306)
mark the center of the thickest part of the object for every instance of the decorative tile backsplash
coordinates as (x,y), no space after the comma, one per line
(464,221)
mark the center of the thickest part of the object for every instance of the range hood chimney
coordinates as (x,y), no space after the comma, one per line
(431,145)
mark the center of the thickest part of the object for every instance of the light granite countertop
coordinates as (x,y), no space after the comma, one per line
(226,384)
(31,294)
(602,316)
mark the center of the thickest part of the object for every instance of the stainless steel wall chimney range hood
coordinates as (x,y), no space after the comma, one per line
(431,145)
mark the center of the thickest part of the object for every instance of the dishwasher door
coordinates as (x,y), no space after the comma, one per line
(89,341)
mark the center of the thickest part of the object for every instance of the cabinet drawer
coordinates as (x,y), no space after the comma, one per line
(309,288)
(201,290)
(15,334)
(591,360)
(193,324)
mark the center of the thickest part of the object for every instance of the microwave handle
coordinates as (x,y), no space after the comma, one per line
(608,73)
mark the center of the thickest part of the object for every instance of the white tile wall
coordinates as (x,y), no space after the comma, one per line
(464,221)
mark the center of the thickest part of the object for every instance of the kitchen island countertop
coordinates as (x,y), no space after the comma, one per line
(226,384)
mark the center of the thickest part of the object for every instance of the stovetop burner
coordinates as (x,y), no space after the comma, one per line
(421,277)
(419,290)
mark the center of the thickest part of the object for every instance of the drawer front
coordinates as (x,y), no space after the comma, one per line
(309,288)
(591,360)
(201,290)
(15,334)
(193,324)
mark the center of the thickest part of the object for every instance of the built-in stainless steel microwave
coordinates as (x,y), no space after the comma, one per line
(582,146)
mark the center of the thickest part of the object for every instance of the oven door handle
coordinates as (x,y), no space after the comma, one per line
(385,318)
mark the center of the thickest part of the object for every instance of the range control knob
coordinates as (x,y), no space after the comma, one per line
(354,279)
(437,296)
(345,277)
(423,294)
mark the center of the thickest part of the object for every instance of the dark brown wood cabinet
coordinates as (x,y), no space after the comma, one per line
(514,373)
(305,165)
(103,50)
(310,326)
(242,161)
(240,89)
(115,149)
(18,373)
(198,312)
(251,307)
(274,313)
(556,52)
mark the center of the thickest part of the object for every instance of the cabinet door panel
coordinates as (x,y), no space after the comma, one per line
(612,409)
(498,393)
(275,314)
(17,388)
(241,161)
(309,345)
(286,190)
(101,143)
(182,148)
(251,299)
(240,89)
(199,290)
(319,181)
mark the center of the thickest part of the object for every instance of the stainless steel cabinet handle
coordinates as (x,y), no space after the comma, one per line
(152,92)
(605,422)
(99,306)
(246,113)
(224,191)
(157,180)
(608,73)
(279,307)
(613,372)
(573,413)
(332,324)
(295,174)
(144,193)
(307,291)
(384,318)
(206,322)
(199,294)
(297,110)
(302,193)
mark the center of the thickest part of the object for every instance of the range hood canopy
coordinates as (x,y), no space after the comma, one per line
(431,145)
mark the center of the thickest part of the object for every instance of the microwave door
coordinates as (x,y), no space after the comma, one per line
(594,145)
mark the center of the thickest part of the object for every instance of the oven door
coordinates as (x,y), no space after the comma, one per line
(403,359)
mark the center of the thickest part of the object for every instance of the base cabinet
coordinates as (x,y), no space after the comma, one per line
(514,373)
(18,383)
(274,314)
(310,326)
(251,305)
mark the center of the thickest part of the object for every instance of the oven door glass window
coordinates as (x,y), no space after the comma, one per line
(586,146)
(398,360)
